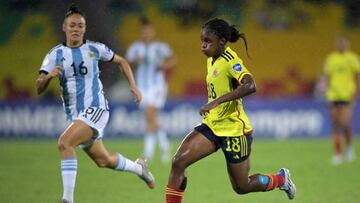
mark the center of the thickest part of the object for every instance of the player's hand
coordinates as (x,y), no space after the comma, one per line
(136,92)
(163,66)
(55,72)
(207,107)
(140,59)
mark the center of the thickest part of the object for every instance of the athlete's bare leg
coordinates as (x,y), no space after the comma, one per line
(77,133)
(105,159)
(151,119)
(194,147)
(101,156)
(346,113)
(345,116)
(240,180)
(336,131)
(151,130)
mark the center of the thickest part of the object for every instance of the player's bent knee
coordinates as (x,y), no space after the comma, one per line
(63,146)
(178,163)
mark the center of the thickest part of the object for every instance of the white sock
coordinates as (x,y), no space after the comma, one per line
(164,145)
(68,172)
(125,164)
(350,153)
(150,144)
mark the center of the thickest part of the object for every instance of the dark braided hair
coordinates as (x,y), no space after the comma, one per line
(74,9)
(222,29)
(144,21)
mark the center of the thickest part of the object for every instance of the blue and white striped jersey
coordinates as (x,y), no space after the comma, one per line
(79,79)
(148,74)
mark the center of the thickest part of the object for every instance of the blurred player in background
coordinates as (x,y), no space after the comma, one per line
(341,76)
(152,59)
(225,125)
(75,62)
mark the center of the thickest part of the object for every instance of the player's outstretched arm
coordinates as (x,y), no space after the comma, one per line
(44,79)
(126,70)
(168,63)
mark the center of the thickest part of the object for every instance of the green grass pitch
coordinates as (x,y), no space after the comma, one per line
(30,172)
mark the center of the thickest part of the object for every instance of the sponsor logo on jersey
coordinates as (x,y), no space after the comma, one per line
(215,72)
(237,67)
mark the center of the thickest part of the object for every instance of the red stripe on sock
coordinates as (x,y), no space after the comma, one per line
(281,180)
(173,195)
(275,181)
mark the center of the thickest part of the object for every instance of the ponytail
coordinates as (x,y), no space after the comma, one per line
(242,36)
(235,35)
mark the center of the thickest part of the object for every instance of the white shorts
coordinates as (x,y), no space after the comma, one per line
(96,118)
(155,96)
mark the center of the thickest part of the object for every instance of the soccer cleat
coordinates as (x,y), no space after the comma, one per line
(336,159)
(146,174)
(64,201)
(288,186)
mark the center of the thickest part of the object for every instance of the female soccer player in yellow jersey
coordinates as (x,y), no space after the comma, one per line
(75,63)
(225,124)
(342,73)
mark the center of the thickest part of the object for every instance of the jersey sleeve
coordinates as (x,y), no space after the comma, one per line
(165,51)
(237,70)
(49,62)
(105,53)
(131,53)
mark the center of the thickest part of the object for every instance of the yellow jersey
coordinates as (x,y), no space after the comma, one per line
(341,70)
(229,118)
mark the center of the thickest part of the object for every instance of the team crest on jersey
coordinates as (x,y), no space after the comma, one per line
(91,54)
(215,72)
(237,67)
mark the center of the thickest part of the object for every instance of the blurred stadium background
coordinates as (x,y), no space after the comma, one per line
(288,42)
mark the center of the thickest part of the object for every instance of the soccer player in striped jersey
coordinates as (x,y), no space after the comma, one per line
(225,125)
(342,76)
(75,63)
(152,58)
